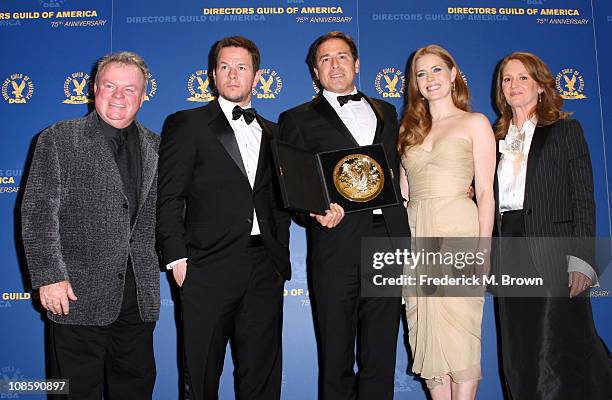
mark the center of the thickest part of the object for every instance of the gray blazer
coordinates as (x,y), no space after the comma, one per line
(76,224)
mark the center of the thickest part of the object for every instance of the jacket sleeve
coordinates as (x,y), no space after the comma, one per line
(177,155)
(40,222)
(582,191)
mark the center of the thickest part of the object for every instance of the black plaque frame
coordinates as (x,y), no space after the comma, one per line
(306,179)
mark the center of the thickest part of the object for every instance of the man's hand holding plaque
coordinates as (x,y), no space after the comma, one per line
(332,217)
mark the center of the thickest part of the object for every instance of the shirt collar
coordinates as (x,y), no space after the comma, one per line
(528,127)
(110,132)
(228,106)
(332,97)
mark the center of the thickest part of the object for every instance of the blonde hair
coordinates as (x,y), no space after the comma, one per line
(124,58)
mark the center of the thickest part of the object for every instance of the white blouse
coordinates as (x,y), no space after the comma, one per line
(511,174)
(512,167)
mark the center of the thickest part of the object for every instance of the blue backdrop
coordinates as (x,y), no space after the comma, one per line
(50,47)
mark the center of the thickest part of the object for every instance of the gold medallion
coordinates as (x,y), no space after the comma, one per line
(358,177)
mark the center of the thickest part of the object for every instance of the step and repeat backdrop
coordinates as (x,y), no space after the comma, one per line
(50,47)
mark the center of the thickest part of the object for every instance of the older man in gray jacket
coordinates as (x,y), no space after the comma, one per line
(88,217)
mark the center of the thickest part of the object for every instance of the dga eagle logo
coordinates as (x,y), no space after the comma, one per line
(465,79)
(299,270)
(570,84)
(10,373)
(151,87)
(17,89)
(269,86)
(389,82)
(51,3)
(199,87)
(76,89)
(404,383)
(316,88)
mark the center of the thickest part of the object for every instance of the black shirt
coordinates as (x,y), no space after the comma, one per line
(125,146)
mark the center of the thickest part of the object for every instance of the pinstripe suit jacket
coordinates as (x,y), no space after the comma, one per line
(559,200)
(76,222)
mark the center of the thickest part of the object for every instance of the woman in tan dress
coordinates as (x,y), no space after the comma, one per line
(444,148)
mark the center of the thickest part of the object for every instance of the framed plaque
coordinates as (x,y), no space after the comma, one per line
(358,178)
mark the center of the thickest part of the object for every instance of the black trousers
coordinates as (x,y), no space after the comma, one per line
(550,348)
(118,356)
(353,328)
(240,303)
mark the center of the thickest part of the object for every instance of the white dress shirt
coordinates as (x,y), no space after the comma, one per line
(358,117)
(248,137)
(512,167)
(511,176)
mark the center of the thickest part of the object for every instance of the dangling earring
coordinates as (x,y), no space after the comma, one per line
(453,86)
(539,97)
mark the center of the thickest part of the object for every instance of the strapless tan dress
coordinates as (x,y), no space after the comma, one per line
(444,332)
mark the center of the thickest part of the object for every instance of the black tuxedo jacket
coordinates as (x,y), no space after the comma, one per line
(559,200)
(315,126)
(205,204)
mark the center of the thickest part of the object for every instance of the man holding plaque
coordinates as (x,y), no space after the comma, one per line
(221,232)
(341,117)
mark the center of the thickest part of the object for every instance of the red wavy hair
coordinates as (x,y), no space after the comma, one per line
(548,108)
(416,122)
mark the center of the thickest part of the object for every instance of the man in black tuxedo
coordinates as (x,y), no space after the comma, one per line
(221,232)
(341,117)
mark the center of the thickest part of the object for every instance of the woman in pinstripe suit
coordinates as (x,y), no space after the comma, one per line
(544,188)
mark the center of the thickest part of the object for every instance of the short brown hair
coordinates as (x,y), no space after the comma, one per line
(236,41)
(124,58)
(548,108)
(312,51)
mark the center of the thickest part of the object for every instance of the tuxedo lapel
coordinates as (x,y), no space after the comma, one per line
(99,150)
(380,121)
(264,151)
(322,106)
(220,126)
(265,127)
(535,150)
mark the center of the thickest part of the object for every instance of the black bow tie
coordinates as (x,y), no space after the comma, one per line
(248,113)
(345,99)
